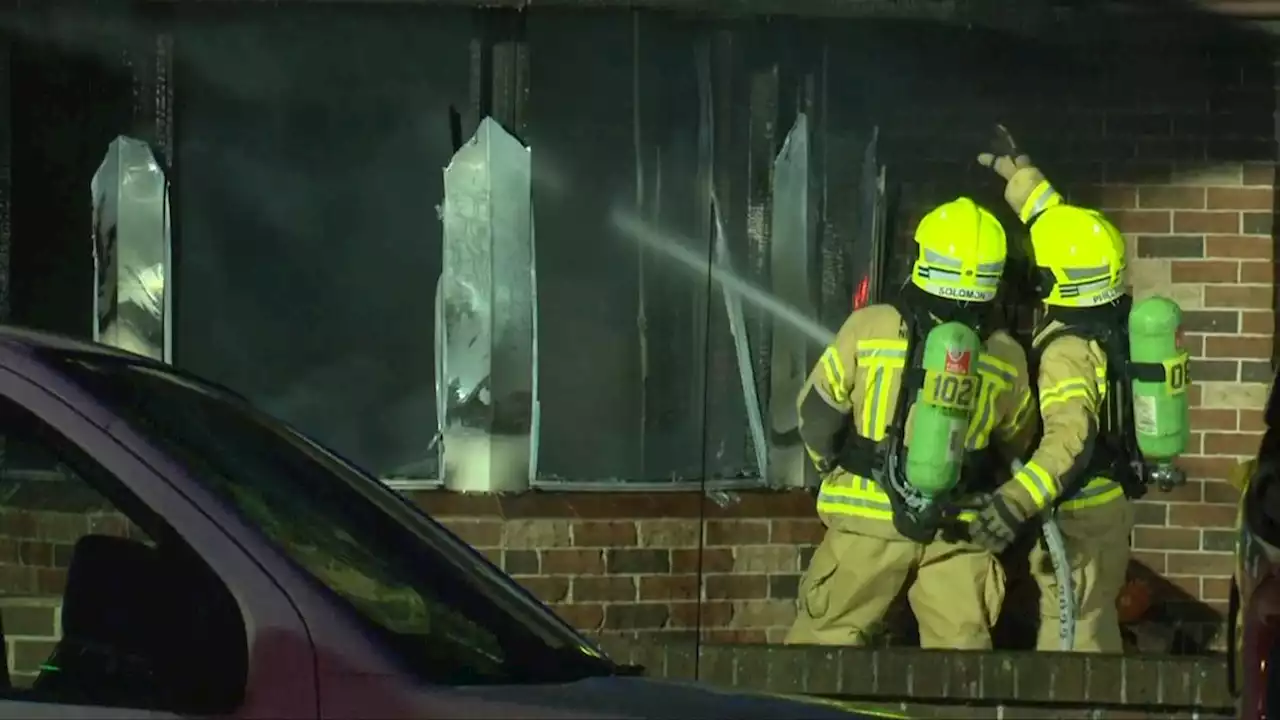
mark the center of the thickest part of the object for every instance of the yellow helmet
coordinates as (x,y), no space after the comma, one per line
(1080,257)
(962,250)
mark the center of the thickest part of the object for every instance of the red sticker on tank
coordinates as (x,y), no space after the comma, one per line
(958,361)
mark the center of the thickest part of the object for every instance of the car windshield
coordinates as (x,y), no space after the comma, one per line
(448,613)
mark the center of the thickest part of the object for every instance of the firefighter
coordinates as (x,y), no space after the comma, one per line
(900,416)
(1079,467)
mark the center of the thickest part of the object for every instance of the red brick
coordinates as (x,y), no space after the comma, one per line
(1201,515)
(604,589)
(669,587)
(1193,343)
(1214,588)
(1199,563)
(1185,493)
(1258,272)
(1257,322)
(1106,197)
(1251,421)
(604,534)
(1192,222)
(1154,538)
(583,617)
(1220,492)
(737,587)
(17,524)
(1221,198)
(1194,395)
(1195,444)
(1204,271)
(713,614)
(1240,296)
(1228,346)
(1171,197)
(547,589)
(35,553)
(1183,585)
(708,561)
(61,527)
(1230,444)
(572,562)
(1141,221)
(1259,174)
(1238,246)
(737,532)
(796,532)
(476,533)
(1212,468)
(118,525)
(1156,561)
(51,581)
(1213,419)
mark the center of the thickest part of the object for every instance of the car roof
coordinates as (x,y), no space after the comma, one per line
(28,341)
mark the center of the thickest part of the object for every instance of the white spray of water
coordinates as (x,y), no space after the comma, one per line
(676,248)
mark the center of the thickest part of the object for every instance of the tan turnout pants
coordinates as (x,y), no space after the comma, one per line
(853,579)
(1097,543)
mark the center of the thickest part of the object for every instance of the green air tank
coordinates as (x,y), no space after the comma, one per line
(1161,417)
(940,416)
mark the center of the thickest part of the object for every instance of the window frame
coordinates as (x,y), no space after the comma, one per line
(265,609)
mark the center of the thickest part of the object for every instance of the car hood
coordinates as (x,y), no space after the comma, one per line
(650,699)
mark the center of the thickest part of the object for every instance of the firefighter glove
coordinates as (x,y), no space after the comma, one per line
(1004,157)
(997,524)
(1025,188)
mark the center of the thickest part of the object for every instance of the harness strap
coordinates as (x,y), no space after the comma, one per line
(1115,455)
(885,460)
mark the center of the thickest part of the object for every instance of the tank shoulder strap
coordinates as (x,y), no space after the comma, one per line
(912,371)
(1097,334)
(1116,451)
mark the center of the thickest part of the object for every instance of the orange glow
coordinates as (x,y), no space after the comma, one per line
(863,293)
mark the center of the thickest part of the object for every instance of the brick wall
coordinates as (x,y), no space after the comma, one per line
(36,543)
(32,626)
(616,564)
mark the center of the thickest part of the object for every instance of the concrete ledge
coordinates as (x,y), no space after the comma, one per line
(1148,685)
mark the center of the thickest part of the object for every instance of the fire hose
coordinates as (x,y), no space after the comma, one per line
(1057,549)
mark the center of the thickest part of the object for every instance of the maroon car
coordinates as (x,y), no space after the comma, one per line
(1254,612)
(268,578)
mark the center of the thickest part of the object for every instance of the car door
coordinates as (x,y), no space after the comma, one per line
(279,677)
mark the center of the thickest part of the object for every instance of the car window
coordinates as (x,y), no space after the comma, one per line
(83,567)
(433,606)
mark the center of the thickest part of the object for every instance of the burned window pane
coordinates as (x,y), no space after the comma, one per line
(623,351)
(312,144)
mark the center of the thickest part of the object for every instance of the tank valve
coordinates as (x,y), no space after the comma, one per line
(1166,477)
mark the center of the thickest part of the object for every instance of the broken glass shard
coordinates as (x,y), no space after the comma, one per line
(131,251)
(486,308)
